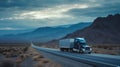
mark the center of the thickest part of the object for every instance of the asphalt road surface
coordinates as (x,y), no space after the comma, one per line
(68,59)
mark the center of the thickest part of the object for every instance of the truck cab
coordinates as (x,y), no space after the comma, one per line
(81,46)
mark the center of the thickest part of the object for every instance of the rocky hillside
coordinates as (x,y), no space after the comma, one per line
(104,30)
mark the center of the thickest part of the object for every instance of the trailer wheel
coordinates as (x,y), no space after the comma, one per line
(71,50)
(81,52)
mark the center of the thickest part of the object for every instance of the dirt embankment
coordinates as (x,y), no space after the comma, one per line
(113,49)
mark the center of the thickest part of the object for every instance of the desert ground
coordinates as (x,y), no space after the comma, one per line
(113,49)
(23,56)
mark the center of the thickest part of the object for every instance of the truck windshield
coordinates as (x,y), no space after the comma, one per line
(83,43)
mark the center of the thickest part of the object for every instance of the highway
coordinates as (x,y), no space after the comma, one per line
(68,59)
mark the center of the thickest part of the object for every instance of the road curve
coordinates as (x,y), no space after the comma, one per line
(91,59)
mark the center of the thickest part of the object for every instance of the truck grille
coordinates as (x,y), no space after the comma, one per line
(87,48)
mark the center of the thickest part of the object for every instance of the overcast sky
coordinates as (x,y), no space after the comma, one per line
(25,14)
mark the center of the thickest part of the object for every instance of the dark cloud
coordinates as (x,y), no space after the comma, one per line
(103,10)
(93,12)
(34,3)
(11,9)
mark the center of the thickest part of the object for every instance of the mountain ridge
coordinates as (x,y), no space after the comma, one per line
(103,30)
(44,34)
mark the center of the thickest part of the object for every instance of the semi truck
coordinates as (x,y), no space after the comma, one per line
(75,45)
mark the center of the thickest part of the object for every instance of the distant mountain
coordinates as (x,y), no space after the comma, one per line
(8,32)
(44,34)
(104,30)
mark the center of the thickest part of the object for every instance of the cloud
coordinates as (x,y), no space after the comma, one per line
(105,8)
(37,13)
(53,12)
(10,28)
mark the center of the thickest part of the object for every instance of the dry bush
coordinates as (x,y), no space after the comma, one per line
(23,56)
(4,53)
(20,52)
(105,51)
(39,64)
(106,48)
(18,60)
(47,63)
(41,56)
(8,54)
(53,64)
(37,57)
(44,60)
(12,51)
(32,52)
(7,63)
(25,49)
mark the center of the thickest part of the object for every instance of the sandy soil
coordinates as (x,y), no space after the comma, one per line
(24,57)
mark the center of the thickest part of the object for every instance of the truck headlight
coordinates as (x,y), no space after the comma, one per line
(83,49)
(90,49)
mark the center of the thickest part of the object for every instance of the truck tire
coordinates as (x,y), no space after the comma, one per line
(61,49)
(89,52)
(71,50)
(66,49)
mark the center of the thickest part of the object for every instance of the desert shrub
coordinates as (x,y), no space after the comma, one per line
(105,47)
(20,52)
(8,54)
(45,60)
(37,57)
(4,53)
(22,56)
(25,49)
(18,60)
(110,48)
(39,64)
(7,63)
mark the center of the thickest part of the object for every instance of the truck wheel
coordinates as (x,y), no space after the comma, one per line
(71,50)
(89,52)
(67,49)
(61,49)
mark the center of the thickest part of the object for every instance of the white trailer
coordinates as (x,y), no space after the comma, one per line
(66,43)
